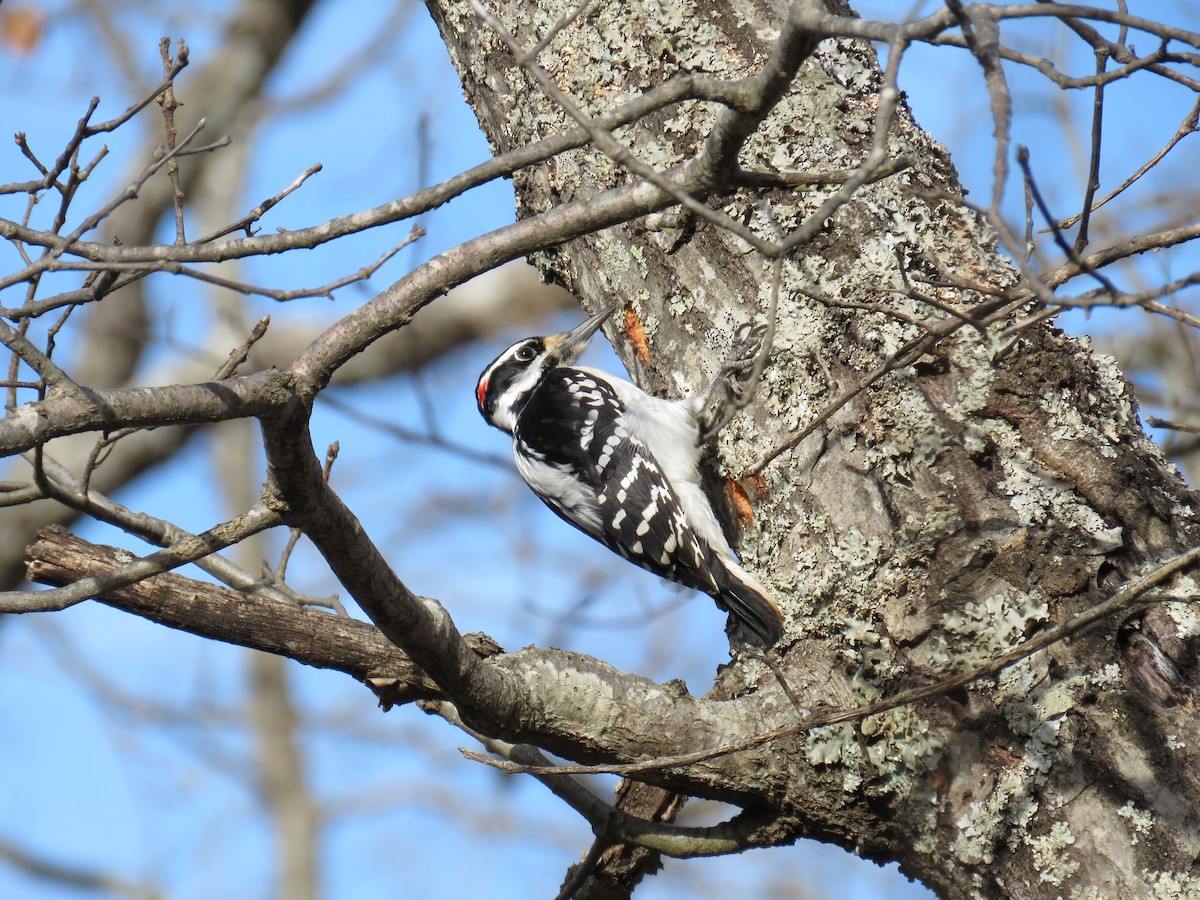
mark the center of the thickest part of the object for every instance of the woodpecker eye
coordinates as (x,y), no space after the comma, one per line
(526,353)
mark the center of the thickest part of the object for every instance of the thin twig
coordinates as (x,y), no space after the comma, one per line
(190,549)
(240,353)
(104,445)
(129,193)
(982,36)
(47,370)
(1189,125)
(552,32)
(1156,422)
(609,823)
(934,332)
(246,221)
(166,100)
(752,179)
(1059,238)
(62,485)
(1093,181)
(139,270)
(388,426)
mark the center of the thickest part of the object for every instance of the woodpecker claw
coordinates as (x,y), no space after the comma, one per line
(734,385)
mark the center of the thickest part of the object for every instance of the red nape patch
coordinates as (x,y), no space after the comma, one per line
(480,392)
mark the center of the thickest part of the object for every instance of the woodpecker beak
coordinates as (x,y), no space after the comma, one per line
(567,346)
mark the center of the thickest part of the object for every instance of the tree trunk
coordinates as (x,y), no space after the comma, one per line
(970,497)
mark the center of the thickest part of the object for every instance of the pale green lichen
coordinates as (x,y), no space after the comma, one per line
(1035,709)
(614,258)
(1107,677)
(1067,424)
(1039,500)
(856,550)
(650,323)
(975,839)
(1119,416)
(1008,809)
(977,632)
(899,744)
(837,745)
(1140,819)
(639,256)
(1172,886)
(678,305)
(974,391)
(1184,615)
(1054,865)
(920,531)
(902,747)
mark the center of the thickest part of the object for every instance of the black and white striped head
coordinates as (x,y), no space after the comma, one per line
(506,385)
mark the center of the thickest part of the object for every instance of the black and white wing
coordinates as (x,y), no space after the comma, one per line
(574,451)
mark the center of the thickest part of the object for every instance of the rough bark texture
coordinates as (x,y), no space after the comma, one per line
(305,634)
(964,502)
(961,504)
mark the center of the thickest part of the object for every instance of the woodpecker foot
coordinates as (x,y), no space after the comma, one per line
(734,385)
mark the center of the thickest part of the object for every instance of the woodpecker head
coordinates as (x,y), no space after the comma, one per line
(508,382)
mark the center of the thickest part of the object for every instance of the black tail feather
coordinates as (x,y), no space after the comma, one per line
(748,603)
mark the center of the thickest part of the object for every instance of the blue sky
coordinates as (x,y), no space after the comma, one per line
(105,783)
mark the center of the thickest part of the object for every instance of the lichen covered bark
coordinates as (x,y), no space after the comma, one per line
(994,487)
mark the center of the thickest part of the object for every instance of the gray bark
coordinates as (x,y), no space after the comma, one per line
(975,496)
(961,504)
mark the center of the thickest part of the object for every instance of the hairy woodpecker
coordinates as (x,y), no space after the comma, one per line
(621,465)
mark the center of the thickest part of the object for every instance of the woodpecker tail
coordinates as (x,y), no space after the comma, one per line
(748,602)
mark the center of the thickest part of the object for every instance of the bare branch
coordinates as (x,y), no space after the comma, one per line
(674,91)
(71,877)
(133,570)
(1127,598)
(306,635)
(166,100)
(1070,252)
(1189,125)
(242,396)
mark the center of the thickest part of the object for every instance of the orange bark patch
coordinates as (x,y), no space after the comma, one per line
(741,502)
(635,334)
